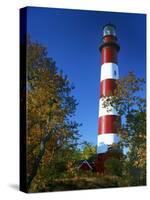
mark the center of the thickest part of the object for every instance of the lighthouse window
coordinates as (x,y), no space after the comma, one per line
(115,73)
(109,30)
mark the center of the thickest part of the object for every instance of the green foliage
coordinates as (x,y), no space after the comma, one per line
(113,166)
(88,150)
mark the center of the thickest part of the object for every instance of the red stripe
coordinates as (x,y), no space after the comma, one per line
(108,124)
(107,87)
(109,54)
(109,38)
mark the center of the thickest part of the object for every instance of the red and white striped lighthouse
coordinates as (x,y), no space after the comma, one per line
(107,126)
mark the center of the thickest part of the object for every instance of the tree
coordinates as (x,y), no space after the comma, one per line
(50,107)
(129,101)
(113,166)
(87,151)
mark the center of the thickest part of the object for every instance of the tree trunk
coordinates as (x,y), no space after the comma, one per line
(38,158)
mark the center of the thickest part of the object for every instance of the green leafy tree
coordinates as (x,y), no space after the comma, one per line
(88,150)
(113,166)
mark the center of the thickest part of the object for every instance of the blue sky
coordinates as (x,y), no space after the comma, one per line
(72,38)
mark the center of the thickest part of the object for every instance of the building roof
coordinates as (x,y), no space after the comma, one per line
(85,162)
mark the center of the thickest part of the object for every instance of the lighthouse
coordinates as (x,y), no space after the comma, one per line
(108,116)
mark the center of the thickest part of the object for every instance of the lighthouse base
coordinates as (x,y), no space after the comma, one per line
(103,157)
(100,162)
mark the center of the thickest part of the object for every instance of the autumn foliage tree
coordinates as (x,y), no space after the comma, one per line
(50,106)
(129,101)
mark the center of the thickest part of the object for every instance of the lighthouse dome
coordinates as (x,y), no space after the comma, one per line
(109,29)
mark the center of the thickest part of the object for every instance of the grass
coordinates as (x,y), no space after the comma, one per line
(84,181)
(79,183)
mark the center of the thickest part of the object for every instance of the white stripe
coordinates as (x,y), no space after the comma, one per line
(108,110)
(107,138)
(109,71)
